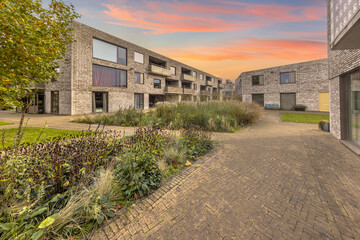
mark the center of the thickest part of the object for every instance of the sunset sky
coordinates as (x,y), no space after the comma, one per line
(222,37)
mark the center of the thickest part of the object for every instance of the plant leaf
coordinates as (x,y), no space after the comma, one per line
(38,212)
(37,235)
(47,222)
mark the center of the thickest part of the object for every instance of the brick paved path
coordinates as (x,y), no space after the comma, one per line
(271,181)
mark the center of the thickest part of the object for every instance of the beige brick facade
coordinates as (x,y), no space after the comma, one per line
(75,81)
(311,79)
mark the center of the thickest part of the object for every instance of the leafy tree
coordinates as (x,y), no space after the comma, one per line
(32,40)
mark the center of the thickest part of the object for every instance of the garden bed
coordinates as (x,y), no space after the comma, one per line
(67,187)
(215,116)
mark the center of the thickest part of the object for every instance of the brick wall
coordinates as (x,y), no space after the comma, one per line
(311,78)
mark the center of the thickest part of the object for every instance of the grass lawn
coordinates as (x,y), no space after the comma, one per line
(32,133)
(303,117)
(5,123)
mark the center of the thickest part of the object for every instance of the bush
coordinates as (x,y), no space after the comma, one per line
(212,116)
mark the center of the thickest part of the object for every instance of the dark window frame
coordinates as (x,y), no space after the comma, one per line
(117,52)
(141,101)
(260,75)
(141,74)
(155,85)
(289,77)
(118,71)
(107,102)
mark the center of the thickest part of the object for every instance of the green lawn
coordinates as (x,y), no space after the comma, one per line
(5,123)
(32,133)
(303,117)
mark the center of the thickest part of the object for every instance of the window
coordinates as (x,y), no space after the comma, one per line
(287,77)
(258,98)
(99,102)
(157,83)
(173,71)
(122,76)
(110,77)
(139,78)
(194,74)
(195,86)
(194,98)
(201,76)
(122,55)
(109,52)
(138,57)
(104,50)
(139,100)
(257,80)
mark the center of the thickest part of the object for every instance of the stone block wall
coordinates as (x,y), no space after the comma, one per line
(311,79)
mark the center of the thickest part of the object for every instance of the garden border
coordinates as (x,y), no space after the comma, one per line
(129,213)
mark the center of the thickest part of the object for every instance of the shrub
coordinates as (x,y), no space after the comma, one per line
(196,142)
(212,116)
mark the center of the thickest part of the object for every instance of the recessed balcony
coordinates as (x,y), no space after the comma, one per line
(173,90)
(186,77)
(155,69)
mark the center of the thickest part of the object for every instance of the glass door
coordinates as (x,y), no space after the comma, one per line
(354,108)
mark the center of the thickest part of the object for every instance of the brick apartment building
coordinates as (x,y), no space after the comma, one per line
(284,87)
(344,71)
(104,73)
(228,91)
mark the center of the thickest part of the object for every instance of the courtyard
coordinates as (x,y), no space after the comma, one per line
(272,180)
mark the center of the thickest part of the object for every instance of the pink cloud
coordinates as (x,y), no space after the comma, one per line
(161,22)
(170,16)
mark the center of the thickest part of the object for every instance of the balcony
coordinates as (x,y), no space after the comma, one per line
(209,83)
(173,90)
(159,70)
(187,77)
(189,91)
(221,86)
(204,92)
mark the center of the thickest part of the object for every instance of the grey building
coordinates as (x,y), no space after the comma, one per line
(285,86)
(344,70)
(228,91)
(104,73)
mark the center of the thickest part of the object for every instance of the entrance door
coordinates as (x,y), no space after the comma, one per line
(324,101)
(258,98)
(55,102)
(287,101)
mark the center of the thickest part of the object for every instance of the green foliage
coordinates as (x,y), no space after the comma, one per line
(5,123)
(32,39)
(67,186)
(303,117)
(196,142)
(31,135)
(212,116)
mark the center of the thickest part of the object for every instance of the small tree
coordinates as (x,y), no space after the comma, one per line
(32,40)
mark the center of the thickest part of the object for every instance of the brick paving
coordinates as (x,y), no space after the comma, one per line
(270,181)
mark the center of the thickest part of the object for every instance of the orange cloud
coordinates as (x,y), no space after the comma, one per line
(252,50)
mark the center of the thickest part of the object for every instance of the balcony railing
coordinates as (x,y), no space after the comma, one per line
(189,91)
(176,90)
(159,70)
(204,92)
(187,77)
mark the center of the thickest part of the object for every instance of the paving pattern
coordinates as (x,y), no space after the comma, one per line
(270,181)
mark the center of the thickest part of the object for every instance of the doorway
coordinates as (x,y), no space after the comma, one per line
(287,101)
(324,102)
(55,102)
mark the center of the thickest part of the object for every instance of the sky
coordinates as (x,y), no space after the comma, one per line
(221,37)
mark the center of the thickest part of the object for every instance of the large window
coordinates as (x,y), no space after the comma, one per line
(257,80)
(353,102)
(138,57)
(139,78)
(139,100)
(195,86)
(287,77)
(109,52)
(173,71)
(258,98)
(99,102)
(194,74)
(157,83)
(201,76)
(110,77)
